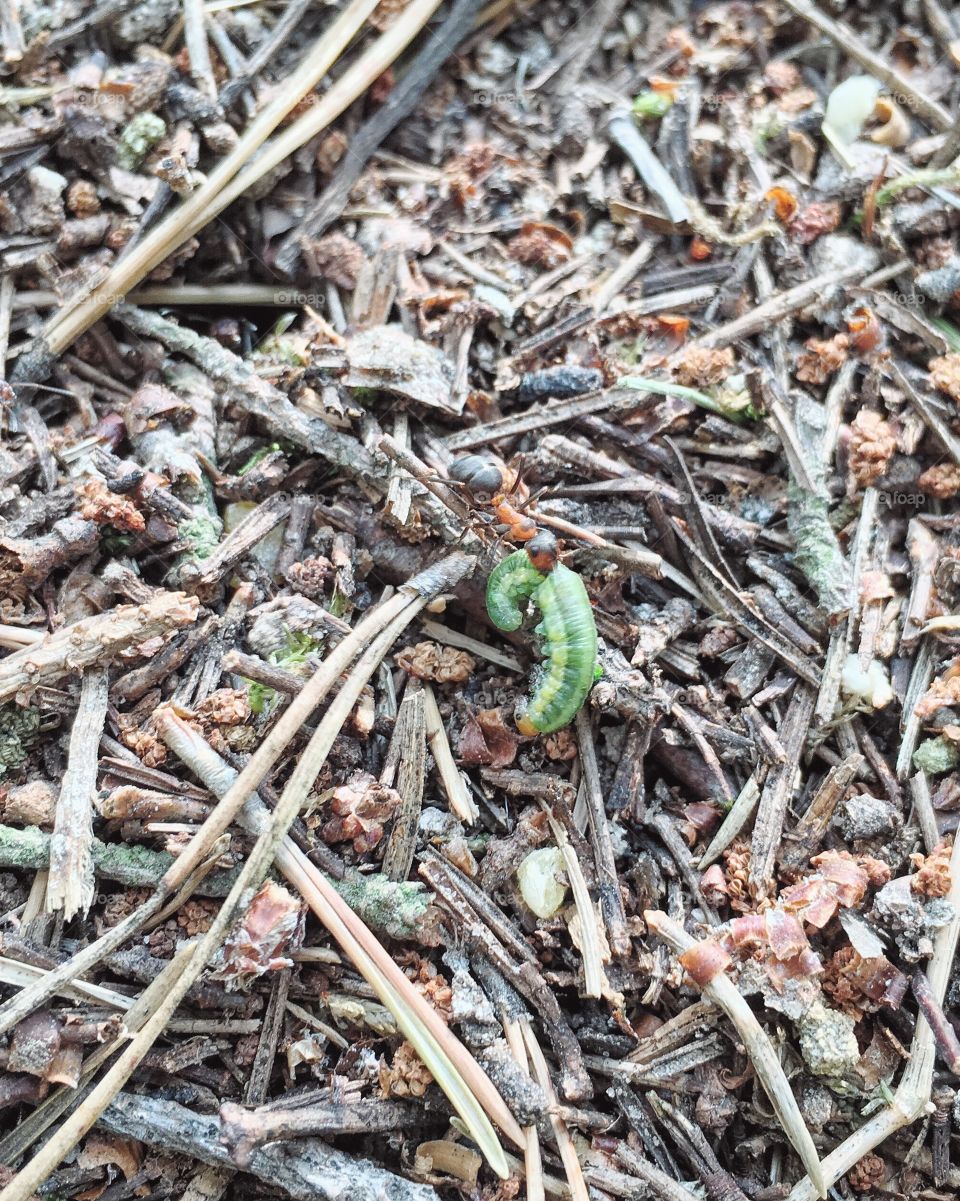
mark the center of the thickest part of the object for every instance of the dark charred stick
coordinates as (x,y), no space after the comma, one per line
(942,1099)
(637,1114)
(772,809)
(681,855)
(258,1086)
(295,535)
(138,682)
(274,41)
(628,792)
(399,104)
(944,1035)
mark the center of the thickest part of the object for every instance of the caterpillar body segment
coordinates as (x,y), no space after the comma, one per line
(569,642)
(511,582)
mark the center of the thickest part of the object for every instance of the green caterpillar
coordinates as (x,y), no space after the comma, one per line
(567,629)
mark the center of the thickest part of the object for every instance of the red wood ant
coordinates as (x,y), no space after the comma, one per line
(484,480)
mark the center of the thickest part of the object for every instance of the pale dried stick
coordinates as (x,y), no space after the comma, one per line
(448,637)
(458,796)
(912,1098)
(66,1098)
(94,641)
(737,816)
(287,727)
(452,1066)
(200,206)
(594,977)
(70,883)
(80,1121)
(15,637)
(198,51)
(568,1152)
(722,990)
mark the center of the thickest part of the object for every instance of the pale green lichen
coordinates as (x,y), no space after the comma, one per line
(818,553)
(138,138)
(828,1043)
(201,535)
(294,656)
(936,756)
(19,734)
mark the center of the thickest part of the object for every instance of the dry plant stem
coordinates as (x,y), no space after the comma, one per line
(195,37)
(722,990)
(611,902)
(448,637)
(409,749)
(70,886)
(568,1152)
(532,1158)
(256,525)
(912,1098)
(593,974)
(418,1021)
(943,1032)
(286,728)
(772,810)
(843,36)
(807,835)
(449,499)
(203,204)
(80,1121)
(767,314)
(458,795)
(400,103)
(94,641)
(733,823)
(309,1170)
(464,1082)
(923,810)
(66,1098)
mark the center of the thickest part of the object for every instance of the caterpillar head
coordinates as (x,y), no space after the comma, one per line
(542,551)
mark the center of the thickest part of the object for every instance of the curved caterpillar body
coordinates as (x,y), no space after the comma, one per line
(511,582)
(567,629)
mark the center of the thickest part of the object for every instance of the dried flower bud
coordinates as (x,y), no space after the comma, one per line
(273,924)
(932,877)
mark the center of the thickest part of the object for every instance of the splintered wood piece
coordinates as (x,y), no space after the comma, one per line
(70,885)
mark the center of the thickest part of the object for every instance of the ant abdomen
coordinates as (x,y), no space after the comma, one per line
(479,474)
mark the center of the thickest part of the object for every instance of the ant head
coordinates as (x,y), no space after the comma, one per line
(542,551)
(480,475)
